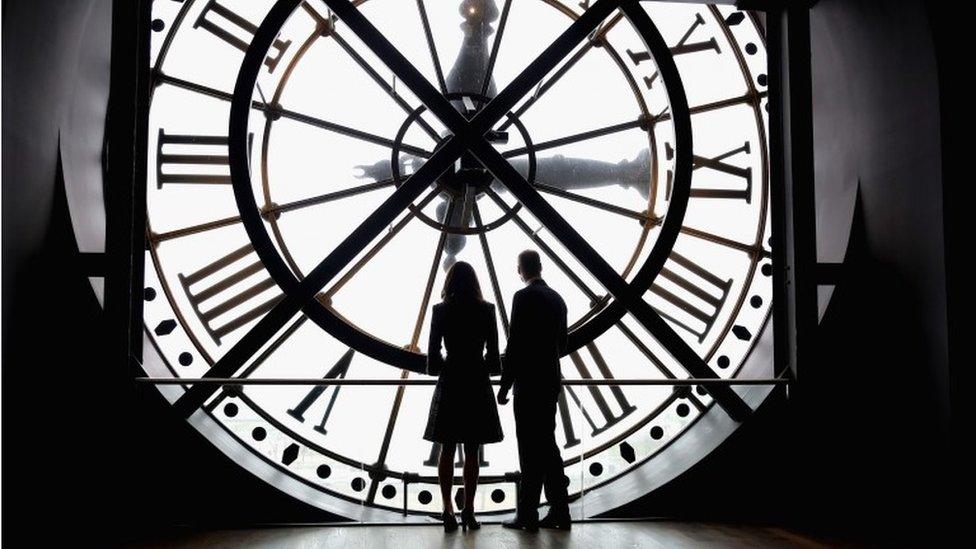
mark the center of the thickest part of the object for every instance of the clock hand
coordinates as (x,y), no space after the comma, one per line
(381,170)
(579,173)
(467,74)
(460,218)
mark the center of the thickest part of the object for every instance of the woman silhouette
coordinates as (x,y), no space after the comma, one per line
(463,409)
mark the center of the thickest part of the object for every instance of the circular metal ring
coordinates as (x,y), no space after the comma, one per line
(400,357)
(446,227)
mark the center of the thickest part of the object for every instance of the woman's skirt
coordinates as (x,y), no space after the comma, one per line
(463,408)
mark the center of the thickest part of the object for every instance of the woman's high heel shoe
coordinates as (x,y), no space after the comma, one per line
(450,522)
(468,520)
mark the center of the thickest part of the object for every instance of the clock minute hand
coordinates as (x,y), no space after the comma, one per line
(467,76)
(471,66)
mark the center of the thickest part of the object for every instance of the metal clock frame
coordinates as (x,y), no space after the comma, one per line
(790,147)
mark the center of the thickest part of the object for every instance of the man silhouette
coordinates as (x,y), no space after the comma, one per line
(536,341)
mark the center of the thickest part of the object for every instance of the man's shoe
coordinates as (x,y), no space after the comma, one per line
(522,524)
(557,521)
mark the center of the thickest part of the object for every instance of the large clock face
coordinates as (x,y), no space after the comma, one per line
(325,133)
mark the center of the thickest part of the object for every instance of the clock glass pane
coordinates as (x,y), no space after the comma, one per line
(332,134)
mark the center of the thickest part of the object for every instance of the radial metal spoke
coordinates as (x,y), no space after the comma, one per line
(467,136)
(380,464)
(431,46)
(340,382)
(369,255)
(384,85)
(271,210)
(303,118)
(504,101)
(545,62)
(257,362)
(431,278)
(550,253)
(327,197)
(352,132)
(632,301)
(755,250)
(597,38)
(749,98)
(194,229)
(546,249)
(298,294)
(651,357)
(395,61)
(605,206)
(467,205)
(486,82)
(608,277)
(202,89)
(492,275)
(641,122)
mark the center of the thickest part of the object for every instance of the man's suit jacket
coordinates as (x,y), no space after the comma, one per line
(537,339)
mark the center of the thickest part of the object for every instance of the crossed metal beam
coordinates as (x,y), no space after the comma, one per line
(466,136)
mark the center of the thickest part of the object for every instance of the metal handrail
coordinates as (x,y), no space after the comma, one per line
(402,382)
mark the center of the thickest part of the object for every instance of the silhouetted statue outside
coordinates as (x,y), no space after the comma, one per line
(463,409)
(537,339)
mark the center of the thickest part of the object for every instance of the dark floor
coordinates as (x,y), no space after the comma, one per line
(598,535)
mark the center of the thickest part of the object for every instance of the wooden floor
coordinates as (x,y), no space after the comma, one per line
(600,535)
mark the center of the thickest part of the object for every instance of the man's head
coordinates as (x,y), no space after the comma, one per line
(529,265)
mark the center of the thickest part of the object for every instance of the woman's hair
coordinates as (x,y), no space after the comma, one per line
(461,283)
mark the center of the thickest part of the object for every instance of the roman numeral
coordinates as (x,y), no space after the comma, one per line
(566,419)
(435,453)
(700,295)
(337,371)
(719,164)
(607,416)
(195,163)
(235,30)
(186,159)
(221,296)
(683,47)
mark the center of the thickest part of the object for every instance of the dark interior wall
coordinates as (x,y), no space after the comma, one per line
(87,455)
(869,429)
(873,409)
(49,429)
(862,446)
(55,428)
(37,53)
(954,105)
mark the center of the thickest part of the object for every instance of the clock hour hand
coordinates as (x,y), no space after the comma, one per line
(460,217)
(579,173)
(559,172)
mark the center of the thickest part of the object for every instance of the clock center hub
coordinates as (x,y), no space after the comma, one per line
(467,173)
(467,179)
